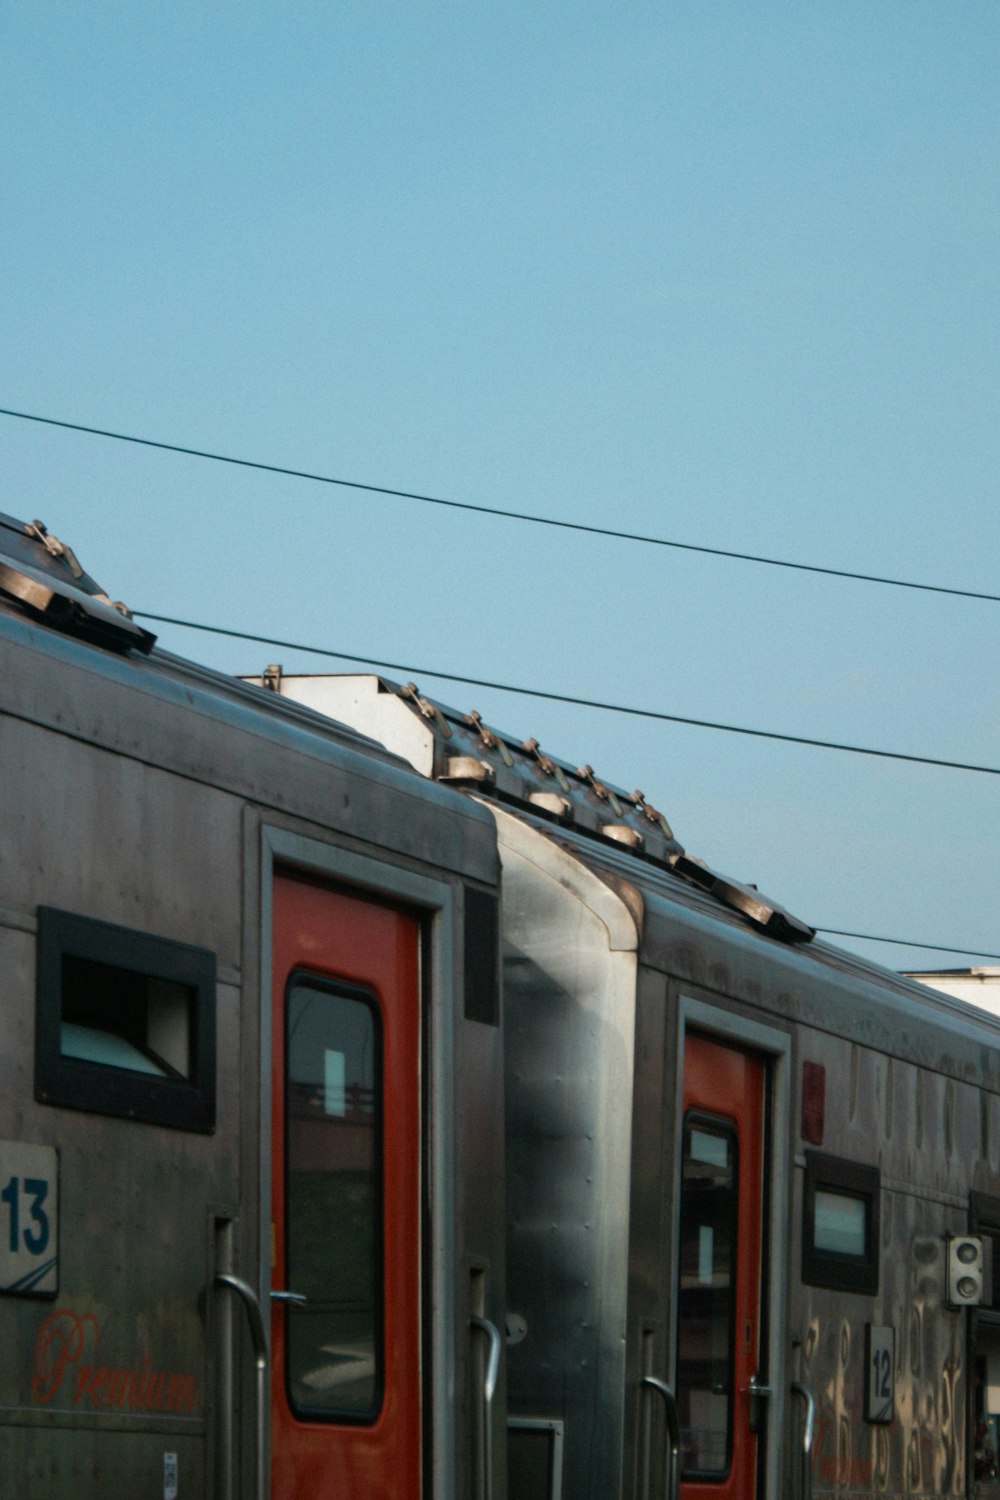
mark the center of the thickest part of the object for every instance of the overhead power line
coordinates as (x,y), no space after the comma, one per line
(869,937)
(615,708)
(503,514)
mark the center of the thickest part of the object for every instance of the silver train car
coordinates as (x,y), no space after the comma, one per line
(251,1213)
(391,1110)
(752,1182)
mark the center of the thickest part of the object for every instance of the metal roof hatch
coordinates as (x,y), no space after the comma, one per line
(41,575)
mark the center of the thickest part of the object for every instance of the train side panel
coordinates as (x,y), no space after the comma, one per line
(146,808)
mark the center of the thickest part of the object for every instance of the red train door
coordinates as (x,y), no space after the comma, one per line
(345,1311)
(719,1271)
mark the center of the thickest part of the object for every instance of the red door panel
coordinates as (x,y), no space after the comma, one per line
(345,1361)
(719,1267)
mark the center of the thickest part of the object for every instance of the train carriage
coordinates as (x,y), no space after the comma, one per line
(752,1181)
(251,1223)
(296,1200)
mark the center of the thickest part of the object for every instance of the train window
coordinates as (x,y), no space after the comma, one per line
(840,1224)
(482,949)
(706,1311)
(333,1202)
(125,1023)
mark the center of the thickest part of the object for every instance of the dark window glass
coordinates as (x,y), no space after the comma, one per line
(840,1208)
(709,1186)
(482,949)
(333,1187)
(125,1022)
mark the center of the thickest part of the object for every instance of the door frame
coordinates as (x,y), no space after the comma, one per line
(432,900)
(774,1047)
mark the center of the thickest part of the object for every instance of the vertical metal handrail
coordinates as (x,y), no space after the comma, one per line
(489,1390)
(808,1431)
(673,1432)
(258,1337)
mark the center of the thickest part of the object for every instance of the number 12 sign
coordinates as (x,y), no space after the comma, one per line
(880,1382)
(29,1220)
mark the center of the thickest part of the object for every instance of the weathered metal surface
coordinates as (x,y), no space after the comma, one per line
(135,792)
(184,719)
(913,1089)
(923,1131)
(569,979)
(430,736)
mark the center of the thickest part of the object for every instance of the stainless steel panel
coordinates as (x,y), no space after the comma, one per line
(215,730)
(923,1131)
(132,792)
(112,838)
(569,999)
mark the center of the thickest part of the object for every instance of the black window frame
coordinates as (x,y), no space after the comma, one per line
(830,1268)
(181,1103)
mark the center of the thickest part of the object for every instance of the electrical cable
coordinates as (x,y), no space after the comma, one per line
(549,697)
(608,707)
(869,937)
(507,515)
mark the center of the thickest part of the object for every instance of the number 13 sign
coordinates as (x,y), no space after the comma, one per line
(880,1378)
(29,1220)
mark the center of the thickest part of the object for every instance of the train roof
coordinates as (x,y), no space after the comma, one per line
(685,933)
(75,661)
(448,746)
(690,921)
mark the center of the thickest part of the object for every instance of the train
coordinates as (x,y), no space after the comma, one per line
(391,1109)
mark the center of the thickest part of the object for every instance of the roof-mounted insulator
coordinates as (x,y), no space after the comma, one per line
(490,739)
(623,834)
(54,547)
(600,790)
(649,811)
(427,708)
(59,550)
(467,768)
(271,677)
(660,821)
(546,763)
(551,802)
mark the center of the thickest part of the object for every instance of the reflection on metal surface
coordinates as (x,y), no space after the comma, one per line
(569,985)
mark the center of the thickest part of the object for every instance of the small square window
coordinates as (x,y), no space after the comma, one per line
(125,1023)
(840,1217)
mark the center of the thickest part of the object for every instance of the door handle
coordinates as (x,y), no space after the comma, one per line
(296,1297)
(758,1394)
(258,1337)
(808,1429)
(483,1325)
(673,1431)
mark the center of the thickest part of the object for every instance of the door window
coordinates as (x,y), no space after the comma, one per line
(706,1298)
(333,1202)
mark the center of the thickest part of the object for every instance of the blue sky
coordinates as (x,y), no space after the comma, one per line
(721,273)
